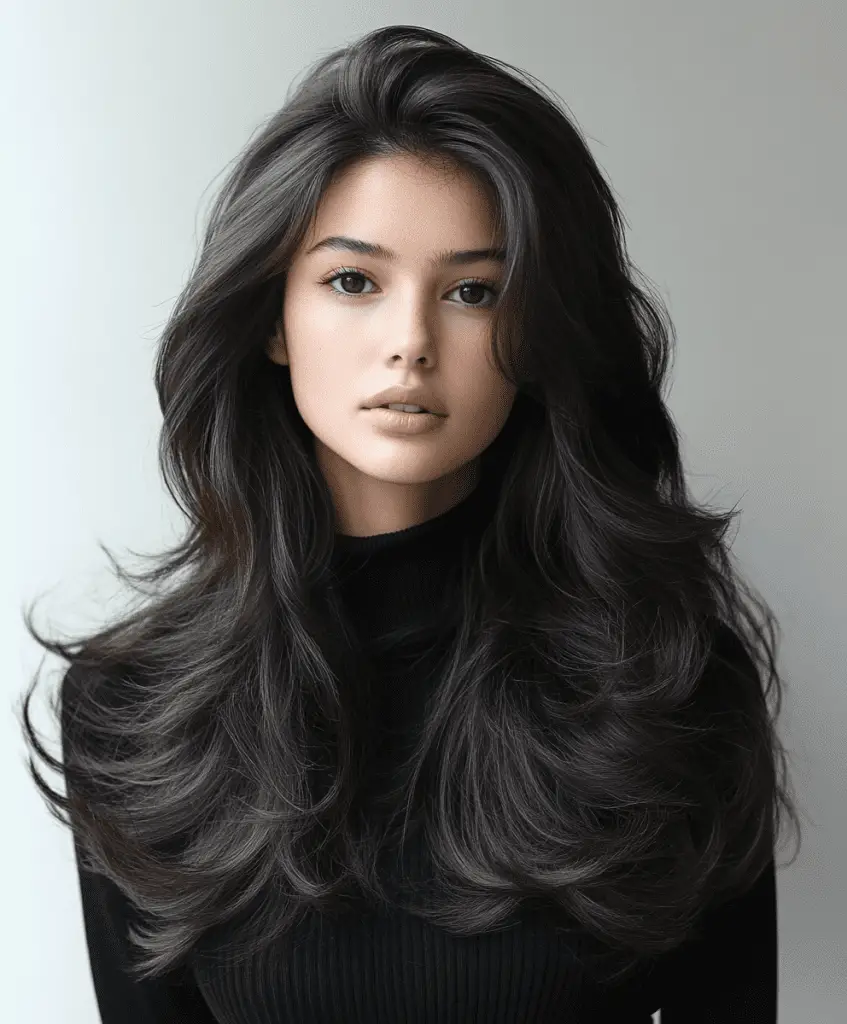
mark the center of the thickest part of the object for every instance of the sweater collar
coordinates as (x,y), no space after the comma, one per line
(401,578)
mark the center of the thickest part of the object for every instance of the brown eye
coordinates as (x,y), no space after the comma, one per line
(346,276)
(475,288)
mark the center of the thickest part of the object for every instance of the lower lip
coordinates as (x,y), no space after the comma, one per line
(406,422)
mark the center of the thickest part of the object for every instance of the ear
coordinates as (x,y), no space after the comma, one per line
(276,349)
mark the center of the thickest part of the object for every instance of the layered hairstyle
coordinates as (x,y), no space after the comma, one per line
(602,735)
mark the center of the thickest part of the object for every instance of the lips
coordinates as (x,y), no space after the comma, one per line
(396,395)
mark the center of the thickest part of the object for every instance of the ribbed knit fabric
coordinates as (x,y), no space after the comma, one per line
(386,966)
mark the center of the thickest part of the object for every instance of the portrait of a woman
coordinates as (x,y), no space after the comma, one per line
(451,704)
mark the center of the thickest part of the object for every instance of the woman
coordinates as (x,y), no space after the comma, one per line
(450,714)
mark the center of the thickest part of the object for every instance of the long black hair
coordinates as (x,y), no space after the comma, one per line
(602,736)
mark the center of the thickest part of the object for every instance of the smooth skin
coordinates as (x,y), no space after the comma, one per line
(405,321)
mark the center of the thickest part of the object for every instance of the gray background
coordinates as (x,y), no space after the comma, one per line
(721,127)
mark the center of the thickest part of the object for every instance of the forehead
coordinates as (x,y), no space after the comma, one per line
(408,207)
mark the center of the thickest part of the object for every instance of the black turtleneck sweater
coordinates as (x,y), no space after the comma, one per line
(388,965)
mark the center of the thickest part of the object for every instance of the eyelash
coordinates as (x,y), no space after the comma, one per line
(352,272)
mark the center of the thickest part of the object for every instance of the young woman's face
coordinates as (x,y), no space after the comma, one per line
(395,321)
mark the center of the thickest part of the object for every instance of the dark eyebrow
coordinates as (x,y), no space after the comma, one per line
(380,252)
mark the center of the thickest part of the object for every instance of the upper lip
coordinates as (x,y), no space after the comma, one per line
(406,396)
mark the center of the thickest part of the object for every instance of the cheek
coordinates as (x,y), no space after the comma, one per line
(489,393)
(320,362)
(501,398)
(309,320)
